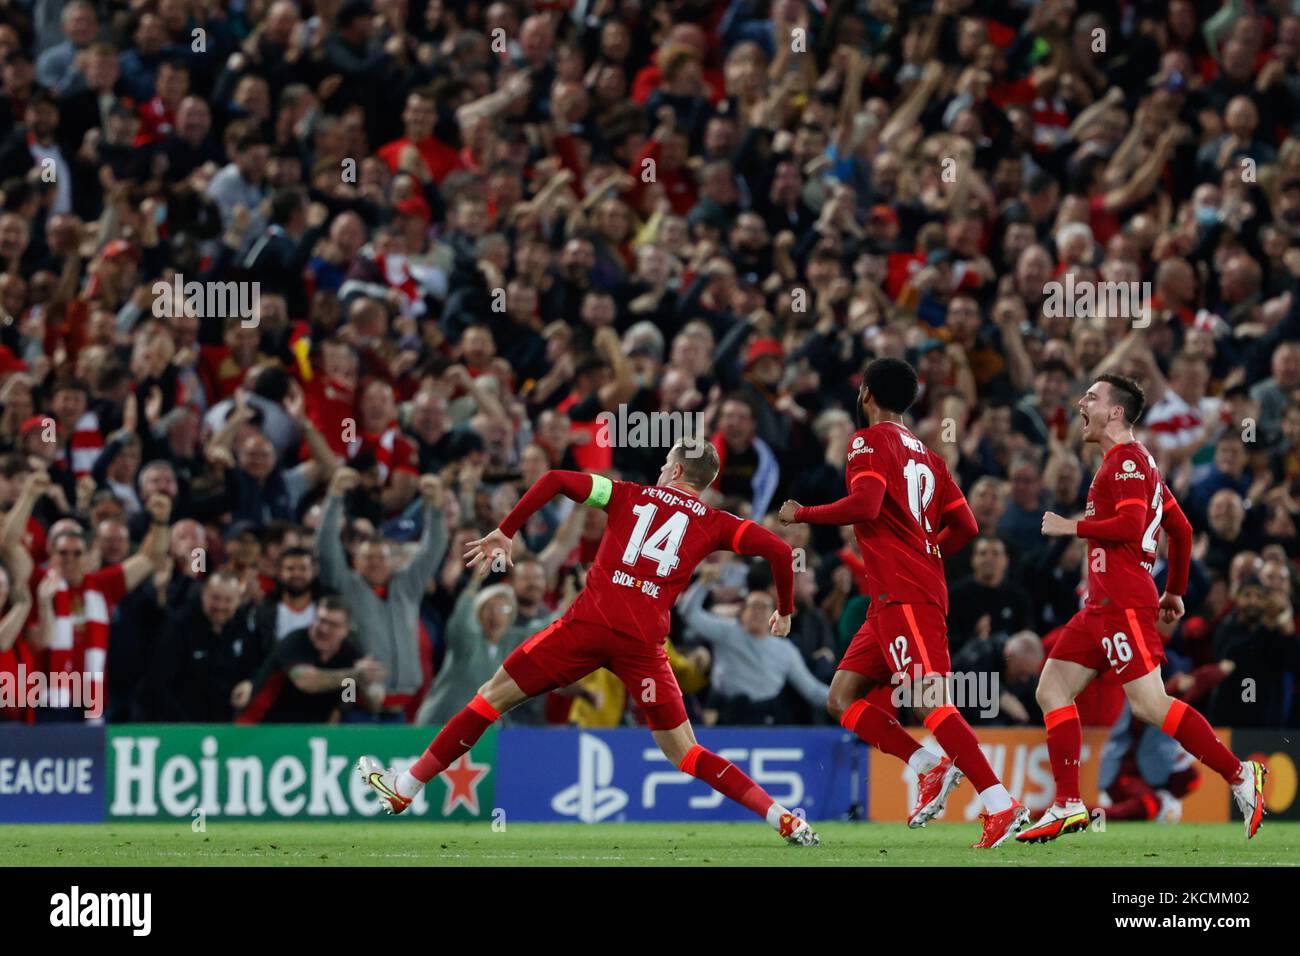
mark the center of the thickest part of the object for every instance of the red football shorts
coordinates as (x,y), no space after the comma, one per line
(1122,640)
(903,639)
(567,651)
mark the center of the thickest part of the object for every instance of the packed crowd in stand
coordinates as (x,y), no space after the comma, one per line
(300,297)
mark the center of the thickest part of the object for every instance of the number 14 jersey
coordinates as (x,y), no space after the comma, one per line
(655,538)
(898,546)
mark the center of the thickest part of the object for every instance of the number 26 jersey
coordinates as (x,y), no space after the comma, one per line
(1119,572)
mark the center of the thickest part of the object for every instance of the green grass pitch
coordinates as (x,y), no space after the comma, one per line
(397,843)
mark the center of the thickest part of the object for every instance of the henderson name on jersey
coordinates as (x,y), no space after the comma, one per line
(653,541)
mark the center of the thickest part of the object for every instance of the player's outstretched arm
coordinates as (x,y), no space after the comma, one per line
(591,490)
(862,503)
(1124,525)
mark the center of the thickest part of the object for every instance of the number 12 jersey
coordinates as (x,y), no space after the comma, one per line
(899,547)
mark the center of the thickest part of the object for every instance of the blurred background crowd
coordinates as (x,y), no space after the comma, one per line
(476,226)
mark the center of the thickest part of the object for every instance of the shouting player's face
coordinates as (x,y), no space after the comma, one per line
(1097,409)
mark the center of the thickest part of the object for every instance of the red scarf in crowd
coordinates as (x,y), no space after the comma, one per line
(84,650)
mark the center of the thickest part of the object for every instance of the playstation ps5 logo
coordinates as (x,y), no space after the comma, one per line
(591,799)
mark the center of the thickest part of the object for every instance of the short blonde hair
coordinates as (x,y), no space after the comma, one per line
(699,460)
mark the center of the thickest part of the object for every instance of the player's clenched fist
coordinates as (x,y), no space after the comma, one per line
(1054,526)
(779,624)
(788,511)
(1171,607)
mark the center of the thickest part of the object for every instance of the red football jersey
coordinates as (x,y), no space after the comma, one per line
(392,450)
(1119,573)
(653,541)
(330,403)
(898,547)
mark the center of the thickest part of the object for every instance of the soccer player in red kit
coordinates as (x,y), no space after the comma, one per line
(654,539)
(907,512)
(1115,630)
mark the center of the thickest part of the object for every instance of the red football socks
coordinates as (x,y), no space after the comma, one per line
(1064,747)
(879,729)
(457,736)
(1196,735)
(726,778)
(959,742)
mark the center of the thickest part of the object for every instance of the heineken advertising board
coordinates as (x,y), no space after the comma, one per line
(282,772)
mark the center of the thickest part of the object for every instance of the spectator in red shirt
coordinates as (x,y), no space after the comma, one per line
(663,160)
(78,427)
(222,368)
(158,116)
(418,151)
(380,435)
(331,395)
(75,605)
(16,602)
(650,77)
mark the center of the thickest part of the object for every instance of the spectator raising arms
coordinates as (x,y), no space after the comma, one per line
(384,599)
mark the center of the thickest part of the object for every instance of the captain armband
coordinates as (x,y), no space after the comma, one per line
(601,489)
